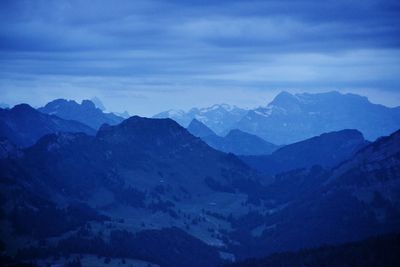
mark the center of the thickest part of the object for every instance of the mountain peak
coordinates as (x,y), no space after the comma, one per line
(219,117)
(124,114)
(284,99)
(348,133)
(88,104)
(196,122)
(284,94)
(4,105)
(330,98)
(143,121)
(223,106)
(198,129)
(23,125)
(86,112)
(324,149)
(97,102)
(23,108)
(291,118)
(60,101)
(137,126)
(240,143)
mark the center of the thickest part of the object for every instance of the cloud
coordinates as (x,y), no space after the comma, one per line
(194,52)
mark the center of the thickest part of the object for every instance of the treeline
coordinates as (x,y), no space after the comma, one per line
(373,252)
(48,220)
(168,247)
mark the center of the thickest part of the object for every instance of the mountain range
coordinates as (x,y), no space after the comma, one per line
(150,191)
(24,125)
(312,207)
(86,112)
(199,129)
(290,118)
(220,118)
(326,150)
(146,171)
(235,141)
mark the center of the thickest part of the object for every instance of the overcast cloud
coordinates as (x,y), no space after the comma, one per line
(148,56)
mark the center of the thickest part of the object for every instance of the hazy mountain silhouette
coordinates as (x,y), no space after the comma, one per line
(86,112)
(219,118)
(97,102)
(326,150)
(4,105)
(290,118)
(236,141)
(198,129)
(240,143)
(24,125)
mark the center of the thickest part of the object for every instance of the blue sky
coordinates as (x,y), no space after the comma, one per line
(148,56)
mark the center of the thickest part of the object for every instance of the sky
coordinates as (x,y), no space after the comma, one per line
(150,56)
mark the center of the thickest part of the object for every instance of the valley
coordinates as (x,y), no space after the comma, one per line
(149,191)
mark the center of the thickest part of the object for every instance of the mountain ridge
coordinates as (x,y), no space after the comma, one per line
(86,112)
(199,129)
(151,179)
(235,141)
(289,118)
(327,150)
(218,117)
(24,125)
(240,143)
(351,201)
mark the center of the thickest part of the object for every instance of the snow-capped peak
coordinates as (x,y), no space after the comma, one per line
(175,113)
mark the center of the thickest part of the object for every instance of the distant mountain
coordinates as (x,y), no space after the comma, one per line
(97,102)
(236,141)
(124,114)
(4,105)
(326,150)
(219,118)
(23,125)
(240,143)
(291,118)
(86,112)
(199,129)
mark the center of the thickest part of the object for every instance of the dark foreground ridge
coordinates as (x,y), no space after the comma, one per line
(147,189)
(379,251)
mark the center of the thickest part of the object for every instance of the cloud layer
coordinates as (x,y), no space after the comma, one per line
(146,56)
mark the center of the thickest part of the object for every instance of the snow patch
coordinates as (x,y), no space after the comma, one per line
(175,113)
